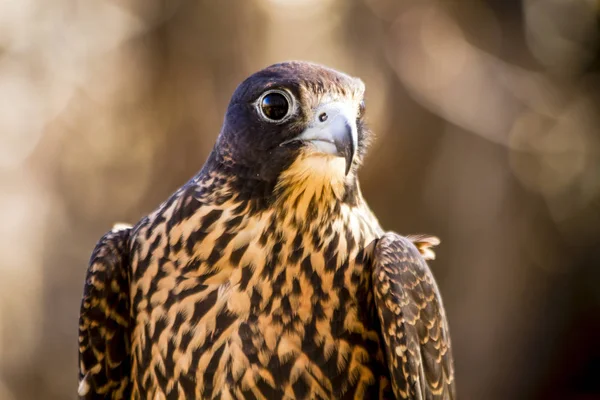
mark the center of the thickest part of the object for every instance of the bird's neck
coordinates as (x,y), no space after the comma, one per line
(299,224)
(305,188)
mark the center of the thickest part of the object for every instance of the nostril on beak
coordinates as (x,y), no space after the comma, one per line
(323,117)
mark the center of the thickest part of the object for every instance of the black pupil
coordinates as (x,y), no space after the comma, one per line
(275,106)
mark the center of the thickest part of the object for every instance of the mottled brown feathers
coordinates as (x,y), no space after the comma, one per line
(413,322)
(262,305)
(104,342)
(259,278)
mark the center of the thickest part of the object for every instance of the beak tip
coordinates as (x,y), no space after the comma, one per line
(348,164)
(345,145)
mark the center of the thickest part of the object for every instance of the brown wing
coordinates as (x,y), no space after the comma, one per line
(413,322)
(104,349)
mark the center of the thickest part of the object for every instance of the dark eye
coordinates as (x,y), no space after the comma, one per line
(275,105)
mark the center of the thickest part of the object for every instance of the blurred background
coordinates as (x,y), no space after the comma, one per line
(487,115)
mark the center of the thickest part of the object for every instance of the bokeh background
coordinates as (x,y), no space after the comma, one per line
(488,122)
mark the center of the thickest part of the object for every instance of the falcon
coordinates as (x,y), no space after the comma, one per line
(267,276)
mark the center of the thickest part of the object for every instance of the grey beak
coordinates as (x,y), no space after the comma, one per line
(344,142)
(333,131)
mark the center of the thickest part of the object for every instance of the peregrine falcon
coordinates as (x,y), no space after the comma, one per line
(267,276)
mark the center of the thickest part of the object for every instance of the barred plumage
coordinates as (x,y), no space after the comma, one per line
(266,275)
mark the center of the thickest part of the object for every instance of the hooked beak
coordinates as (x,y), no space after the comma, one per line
(333,131)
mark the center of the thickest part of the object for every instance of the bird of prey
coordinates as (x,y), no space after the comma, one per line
(266,276)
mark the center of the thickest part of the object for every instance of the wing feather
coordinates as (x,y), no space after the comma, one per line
(413,321)
(104,349)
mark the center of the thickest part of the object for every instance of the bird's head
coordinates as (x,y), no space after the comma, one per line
(296,125)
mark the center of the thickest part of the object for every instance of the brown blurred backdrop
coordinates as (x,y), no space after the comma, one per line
(487,114)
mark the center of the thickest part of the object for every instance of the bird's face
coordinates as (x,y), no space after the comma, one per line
(296,123)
